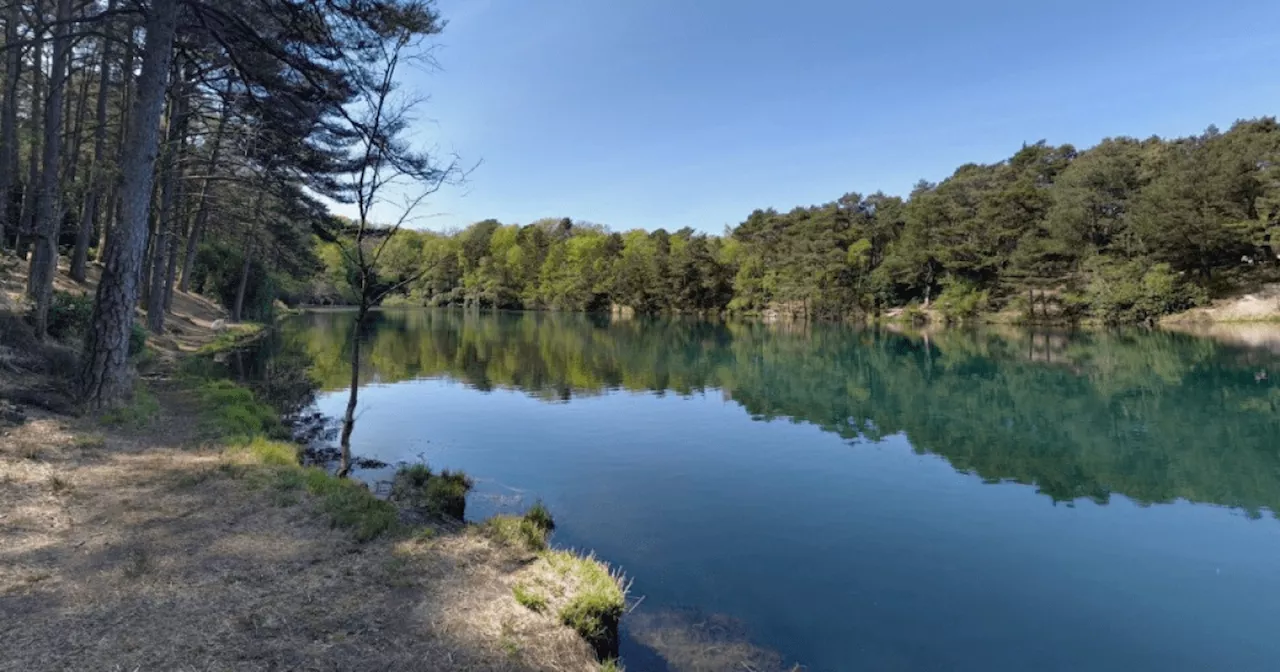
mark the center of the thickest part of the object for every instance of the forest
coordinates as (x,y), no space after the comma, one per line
(193,145)
(1122,232)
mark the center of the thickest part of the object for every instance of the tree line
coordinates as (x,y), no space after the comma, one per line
(1124,231)
(184,144)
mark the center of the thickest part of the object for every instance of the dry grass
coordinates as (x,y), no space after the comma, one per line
(126,548)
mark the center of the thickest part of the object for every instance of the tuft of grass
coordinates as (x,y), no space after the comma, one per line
(529,599)
(596,608)
(349,504)
(232,412)
(424,534)
(267,452)
(93,441)
(517,532)
(443,494)
(540,517)
(141,410)
(612,665)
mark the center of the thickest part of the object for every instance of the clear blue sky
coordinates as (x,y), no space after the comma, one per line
(667,113)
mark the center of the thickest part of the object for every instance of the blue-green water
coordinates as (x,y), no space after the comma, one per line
(859,500)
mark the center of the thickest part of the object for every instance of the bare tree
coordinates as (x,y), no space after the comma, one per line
(97,174)
(384,163)
(9,120)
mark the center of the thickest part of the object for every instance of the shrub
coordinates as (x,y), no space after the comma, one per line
(1138,292)
(540,517)
(137,339)
(961,300)
(69,315)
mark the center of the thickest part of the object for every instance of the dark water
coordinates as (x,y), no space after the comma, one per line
(854,500)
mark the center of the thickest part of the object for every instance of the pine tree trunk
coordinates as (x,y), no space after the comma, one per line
(206,195)
(104,373)
(238,311)
(44,261)
(30,192)
(93,196)
(113,211)
(9,124)
(162,248)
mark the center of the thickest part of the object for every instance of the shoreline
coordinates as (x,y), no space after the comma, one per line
(149,537)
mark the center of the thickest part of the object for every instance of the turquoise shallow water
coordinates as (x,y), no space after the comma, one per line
(859,500)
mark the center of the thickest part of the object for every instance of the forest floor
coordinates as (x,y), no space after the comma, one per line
(141,546)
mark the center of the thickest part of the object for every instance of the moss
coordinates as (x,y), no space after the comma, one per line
(529,599)
(596,608)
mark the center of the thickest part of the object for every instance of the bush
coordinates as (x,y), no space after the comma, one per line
(137,339)
(69,315)
(1137,292)
(961,300)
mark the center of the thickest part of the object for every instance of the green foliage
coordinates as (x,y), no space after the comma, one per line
(232,412)
(596,607)
(1134,292)
(443,494)
(265,451)
(1048,216)
(961,299)
(528,598)
(540,517)
(137,339)
(217,272)
(350,505)
(139,412)
(69,315)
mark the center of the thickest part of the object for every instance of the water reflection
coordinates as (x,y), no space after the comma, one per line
(1153,416)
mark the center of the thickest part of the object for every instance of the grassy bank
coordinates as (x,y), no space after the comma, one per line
(180,531)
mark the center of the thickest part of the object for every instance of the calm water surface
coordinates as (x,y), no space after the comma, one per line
(854,500)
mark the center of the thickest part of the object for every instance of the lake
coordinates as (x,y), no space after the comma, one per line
(852,499)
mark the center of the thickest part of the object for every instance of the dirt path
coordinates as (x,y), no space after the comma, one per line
(147,549)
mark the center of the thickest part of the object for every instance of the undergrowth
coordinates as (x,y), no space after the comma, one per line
(141,409)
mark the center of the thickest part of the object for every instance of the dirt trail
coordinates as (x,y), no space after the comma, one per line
(140,549)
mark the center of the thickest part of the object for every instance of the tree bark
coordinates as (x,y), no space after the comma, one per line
(113,212)
(9,124)
(349,417)
(104,373)
(93,196)
(163,249)
(30,193)
(238,311)
(44,260)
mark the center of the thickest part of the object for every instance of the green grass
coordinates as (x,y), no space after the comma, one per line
(528,532)
(529,599)
(232,412)
(267,452)
(141,410)
(350,505)
(92,441)
(443,494)
(612,665)
(597,607)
